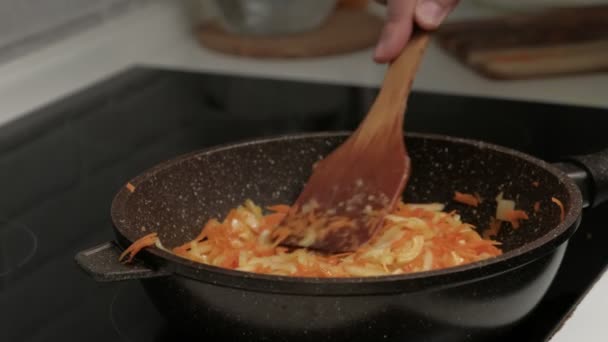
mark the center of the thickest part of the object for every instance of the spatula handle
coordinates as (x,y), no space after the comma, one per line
(390,103)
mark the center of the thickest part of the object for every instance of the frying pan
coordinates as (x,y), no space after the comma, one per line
(176,197)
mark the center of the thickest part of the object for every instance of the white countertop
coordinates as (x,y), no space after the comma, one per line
(158,35)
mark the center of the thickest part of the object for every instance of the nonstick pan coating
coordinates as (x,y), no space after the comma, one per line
(177,197)
(462,303)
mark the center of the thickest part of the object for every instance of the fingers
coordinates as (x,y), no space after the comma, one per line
(401,14)
(430,13)
(396,31)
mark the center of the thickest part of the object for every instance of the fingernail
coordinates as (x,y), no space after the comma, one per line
(431,13)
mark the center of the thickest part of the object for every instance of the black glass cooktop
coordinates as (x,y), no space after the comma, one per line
(61,165)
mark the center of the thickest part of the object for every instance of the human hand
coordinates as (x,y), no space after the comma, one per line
(402,15)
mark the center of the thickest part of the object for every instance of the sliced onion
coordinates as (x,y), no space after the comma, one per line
(503,207)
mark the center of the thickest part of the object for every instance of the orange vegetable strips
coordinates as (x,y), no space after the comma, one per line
(412,238)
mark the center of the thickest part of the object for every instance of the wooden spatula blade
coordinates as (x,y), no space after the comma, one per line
(351,190)
(346,198)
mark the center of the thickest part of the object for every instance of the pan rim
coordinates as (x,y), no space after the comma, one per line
(417,281)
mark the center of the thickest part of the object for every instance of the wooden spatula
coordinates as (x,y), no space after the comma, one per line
(351,189)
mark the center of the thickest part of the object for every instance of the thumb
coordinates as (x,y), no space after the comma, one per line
(430,13)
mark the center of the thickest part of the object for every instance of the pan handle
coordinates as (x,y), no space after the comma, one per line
(101,263)
(591,177)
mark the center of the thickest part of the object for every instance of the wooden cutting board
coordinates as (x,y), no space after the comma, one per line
(348,29)
(544,44)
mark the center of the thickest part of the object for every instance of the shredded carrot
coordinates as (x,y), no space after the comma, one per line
(273,219)
(130,187)
(465,198)
(493,230)
(145,241)
(412,239)
(514,216)
(280,208)
(561,208)
(536,206)
(279,236)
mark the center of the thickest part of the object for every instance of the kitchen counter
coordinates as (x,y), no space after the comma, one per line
(158,35)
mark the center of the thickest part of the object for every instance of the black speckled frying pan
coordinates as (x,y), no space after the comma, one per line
(175,198)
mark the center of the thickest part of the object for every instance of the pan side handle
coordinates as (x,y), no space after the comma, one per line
(592,175)
(101,263)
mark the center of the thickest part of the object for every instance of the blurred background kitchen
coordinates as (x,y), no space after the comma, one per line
(108,35)
(94,92)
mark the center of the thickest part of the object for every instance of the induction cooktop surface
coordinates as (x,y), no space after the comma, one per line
(61,165)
